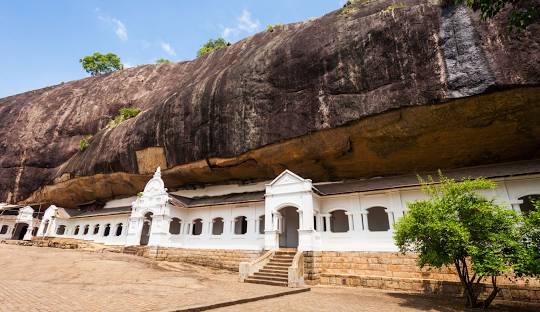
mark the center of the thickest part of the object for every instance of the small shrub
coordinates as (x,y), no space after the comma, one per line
(212,45)
(140,194)
(271,27)
(84,143)
(162,61)
(124,113)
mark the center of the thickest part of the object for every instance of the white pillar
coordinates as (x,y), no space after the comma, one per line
(350,220)
(365,221)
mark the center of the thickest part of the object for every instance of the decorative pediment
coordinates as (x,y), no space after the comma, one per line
(155,186)
(287,177)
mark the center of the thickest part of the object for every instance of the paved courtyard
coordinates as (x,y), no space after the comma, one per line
(47,279)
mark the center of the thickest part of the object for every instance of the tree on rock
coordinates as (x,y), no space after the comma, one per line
(458,227)
(212,45)
(99,64)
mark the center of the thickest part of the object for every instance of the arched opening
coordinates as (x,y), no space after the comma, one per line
(197,227)
(174,226)
(217,226)
(86,229)
(76,231)
(119,227)
(240,225)
(61,230)
(147,226)
(34,231)
(107,230)
(378,219)
(96,229)
(339,221)
(19,231)
(289,226)
(528,203)
(262,219)
(45,227)
(4,229)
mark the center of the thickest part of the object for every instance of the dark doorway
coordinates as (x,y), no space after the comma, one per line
(289,231)
(147,226)
(20,231)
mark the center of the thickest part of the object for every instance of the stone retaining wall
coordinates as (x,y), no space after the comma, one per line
(222,259)
(394,271)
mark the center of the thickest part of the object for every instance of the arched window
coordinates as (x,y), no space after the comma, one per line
(528,203)
(261,224)
(60,230)
(86,229)
(174,226)
(217,226)
(96,229)
(76,231)
(4,229)
(197,227)
(378,219)
(107,230)
(46,226)
(240,225)
(119,229)
(339,221)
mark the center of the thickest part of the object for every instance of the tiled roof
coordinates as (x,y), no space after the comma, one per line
(233,198)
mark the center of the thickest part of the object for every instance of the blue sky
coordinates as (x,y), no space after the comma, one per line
(41,42)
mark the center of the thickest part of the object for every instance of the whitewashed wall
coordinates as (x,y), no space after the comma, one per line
(281,192)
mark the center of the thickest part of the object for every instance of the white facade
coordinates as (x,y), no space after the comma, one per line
(292,214)
(20,226)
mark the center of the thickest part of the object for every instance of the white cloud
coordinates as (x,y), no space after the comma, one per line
(120,28)
(165,46)
(245,24)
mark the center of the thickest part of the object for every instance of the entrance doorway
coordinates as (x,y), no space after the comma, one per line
(288,238)
(147,226)
(19,231)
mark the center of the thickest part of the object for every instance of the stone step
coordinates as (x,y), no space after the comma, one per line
(274,260)
(279,266)
(284,258)
(265,282)
(273,271)
(272,276)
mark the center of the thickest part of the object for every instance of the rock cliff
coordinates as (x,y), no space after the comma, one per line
(377,88)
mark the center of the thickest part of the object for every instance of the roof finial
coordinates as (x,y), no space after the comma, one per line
(158,173)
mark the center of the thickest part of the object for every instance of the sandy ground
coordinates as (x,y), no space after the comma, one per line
(47,279)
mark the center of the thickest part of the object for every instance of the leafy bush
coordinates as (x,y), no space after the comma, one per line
(124,113)
(212,45)
(84,143)
(271,27)
(162,61)
(98,64)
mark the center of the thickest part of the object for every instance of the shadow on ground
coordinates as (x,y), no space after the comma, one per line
(449,304)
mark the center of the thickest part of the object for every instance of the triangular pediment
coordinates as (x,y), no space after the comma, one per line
(287,177)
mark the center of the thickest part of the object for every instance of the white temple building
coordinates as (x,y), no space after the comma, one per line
(289,211)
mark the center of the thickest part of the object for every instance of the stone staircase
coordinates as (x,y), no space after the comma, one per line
(276,272)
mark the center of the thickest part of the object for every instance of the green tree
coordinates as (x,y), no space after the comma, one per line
(98,64)
(124,113)
(457,227)
(162,61)
(522,12)
(212,45)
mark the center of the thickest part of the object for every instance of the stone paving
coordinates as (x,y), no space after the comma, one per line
(48,279)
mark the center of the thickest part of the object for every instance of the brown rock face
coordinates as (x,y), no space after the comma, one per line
(370,91)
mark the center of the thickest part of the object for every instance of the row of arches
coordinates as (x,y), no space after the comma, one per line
(376,220)
(118,230)
(218,226)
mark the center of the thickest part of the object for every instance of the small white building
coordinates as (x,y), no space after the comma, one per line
(290,212)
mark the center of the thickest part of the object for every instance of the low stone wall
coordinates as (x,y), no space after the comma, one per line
(394,271)
(222,259)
